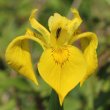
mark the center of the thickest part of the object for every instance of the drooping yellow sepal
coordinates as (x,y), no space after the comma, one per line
(89,43)
(18,55)
(62,69)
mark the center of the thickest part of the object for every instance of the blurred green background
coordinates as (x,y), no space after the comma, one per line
(18,93)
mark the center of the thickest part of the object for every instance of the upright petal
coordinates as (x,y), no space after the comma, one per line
(56,21)
(89,43)
(62,29)
(18,55)
(36,25)
(58,27)
(75,22)
(62,69)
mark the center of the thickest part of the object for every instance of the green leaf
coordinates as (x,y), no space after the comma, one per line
(9,105)
(54,102)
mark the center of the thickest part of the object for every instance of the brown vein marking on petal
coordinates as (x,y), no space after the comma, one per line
(60,56)
(58,32)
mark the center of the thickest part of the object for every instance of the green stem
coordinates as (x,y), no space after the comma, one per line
(54,103)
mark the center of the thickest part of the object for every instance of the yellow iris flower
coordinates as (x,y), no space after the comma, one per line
(61,65)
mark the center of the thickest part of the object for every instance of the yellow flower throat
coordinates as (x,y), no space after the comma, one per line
(60,55)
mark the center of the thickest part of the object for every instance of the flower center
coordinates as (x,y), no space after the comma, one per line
(60,55)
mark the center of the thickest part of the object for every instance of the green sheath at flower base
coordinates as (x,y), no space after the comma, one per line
(62,65)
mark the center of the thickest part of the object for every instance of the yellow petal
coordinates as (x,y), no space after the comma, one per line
(62,69)
(62,29)
(89,43)
(36,25)
(18,55)
(58,27)
(75,22)
(57,21)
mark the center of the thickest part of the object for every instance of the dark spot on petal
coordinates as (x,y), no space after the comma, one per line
(58,32)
